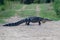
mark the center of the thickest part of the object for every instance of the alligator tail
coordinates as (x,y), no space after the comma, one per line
(16,23)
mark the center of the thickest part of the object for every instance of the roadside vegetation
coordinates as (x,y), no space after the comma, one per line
(47,10)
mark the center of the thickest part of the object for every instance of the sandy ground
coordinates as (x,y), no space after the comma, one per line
(45,31)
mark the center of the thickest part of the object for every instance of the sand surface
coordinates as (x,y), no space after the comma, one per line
(45,31)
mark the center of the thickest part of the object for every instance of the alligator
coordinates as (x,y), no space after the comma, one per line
(28,21)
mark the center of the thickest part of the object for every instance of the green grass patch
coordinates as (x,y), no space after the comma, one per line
(48,12)
(50,15)
(7,14)
(1,7)
(10,9)
(27,13)
(13,5)
(31,6)
(2,21)
(17,6)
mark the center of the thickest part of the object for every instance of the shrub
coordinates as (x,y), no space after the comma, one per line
(57,7)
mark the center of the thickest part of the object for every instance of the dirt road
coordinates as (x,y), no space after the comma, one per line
(45,31)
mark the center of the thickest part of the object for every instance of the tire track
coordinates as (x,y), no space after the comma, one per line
(22,9)
(37,10)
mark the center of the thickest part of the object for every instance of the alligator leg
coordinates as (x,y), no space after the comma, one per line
(39,23)
(27,23)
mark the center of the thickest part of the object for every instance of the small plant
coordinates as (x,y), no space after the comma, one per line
(57,7)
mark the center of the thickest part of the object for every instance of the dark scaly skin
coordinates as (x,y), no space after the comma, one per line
(28,20)
(33,20)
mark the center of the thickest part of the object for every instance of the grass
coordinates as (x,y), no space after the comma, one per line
(27,13)
(17,6)
(2,21)
(10,10)
(7,14)
(31,6)
(1,7)
(47,11)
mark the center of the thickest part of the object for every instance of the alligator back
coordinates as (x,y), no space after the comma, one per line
(35,19)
